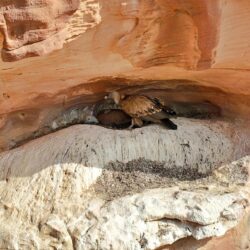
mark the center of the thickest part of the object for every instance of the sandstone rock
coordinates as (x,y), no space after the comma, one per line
(195,145)
(60,55)
(129,45)
(49,188)
(162,216)
(37,28)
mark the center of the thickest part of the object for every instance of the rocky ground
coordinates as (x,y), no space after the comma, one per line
(121,189)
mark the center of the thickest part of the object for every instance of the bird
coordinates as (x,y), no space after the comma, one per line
(114,118)
(143,108)
(110,115)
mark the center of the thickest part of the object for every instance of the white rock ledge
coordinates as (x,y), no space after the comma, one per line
(49,199)
(159,217)
(196,143)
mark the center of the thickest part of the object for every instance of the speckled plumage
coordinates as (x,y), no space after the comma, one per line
(114,118)
(144,108)
(141,106)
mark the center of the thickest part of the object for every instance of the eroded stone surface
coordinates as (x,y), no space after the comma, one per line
(196,144)
(197,52)
(35,28)
(49,196)
(191,49)
(162,216)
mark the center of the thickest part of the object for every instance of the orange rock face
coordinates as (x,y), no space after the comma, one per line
(196,51)
(33,27)
(57,54)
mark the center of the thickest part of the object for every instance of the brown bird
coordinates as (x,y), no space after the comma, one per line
(114,118)
(143,108)
(110,115)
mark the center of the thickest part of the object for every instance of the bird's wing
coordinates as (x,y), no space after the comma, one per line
(163,107)
(139,106)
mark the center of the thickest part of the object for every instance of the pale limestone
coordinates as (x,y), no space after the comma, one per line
(47,199)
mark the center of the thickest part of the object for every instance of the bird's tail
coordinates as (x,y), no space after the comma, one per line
(169,124)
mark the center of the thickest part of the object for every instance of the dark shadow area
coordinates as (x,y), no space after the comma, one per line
(43,117)
(186,98)
(119,179)
(188,243)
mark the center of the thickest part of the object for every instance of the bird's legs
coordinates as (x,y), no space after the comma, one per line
(135,121)
(138,122)
(132,124)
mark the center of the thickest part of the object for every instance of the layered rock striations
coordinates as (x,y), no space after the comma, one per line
(197,52)
(57,57)
(35,28)
(87,187)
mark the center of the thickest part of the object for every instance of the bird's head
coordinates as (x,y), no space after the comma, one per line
(116,96)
